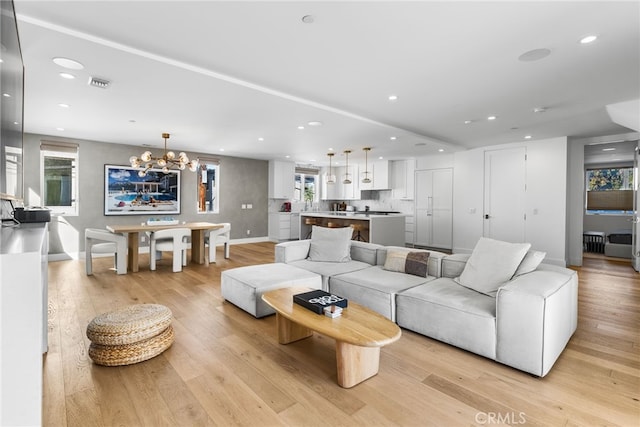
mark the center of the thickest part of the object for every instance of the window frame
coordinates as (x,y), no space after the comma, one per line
(627,185)
(316,185)
(64,152)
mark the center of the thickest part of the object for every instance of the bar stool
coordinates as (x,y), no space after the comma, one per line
(334,225)
(310,222)
(357,228)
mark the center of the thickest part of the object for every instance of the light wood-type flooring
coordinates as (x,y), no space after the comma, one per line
(226,367)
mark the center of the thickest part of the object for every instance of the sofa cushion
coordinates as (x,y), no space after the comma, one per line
(328,269)
(491,264)
(330,244)
(448,312)
(407,261)
(374,287)
(530,262)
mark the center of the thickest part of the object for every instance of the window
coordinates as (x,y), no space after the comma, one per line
(609,191)
(59,177)
(306,187)
(208,186)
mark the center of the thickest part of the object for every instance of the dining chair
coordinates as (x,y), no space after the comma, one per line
(102,241)
(213,237)
(170,239)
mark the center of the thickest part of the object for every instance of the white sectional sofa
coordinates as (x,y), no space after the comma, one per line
(525,323)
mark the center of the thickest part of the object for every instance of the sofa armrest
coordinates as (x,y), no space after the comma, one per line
(536,315)
(453,265)
(293,250)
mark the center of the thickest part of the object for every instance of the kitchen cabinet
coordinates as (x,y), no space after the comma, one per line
(409,230)
(284,226)
(281,179)
(434,208)
(23,324)
(339,190)
(403,179)
(378,174)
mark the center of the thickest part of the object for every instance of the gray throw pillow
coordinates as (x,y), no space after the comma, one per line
(330,244)
(491,264)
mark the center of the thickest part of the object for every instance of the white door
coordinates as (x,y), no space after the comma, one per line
(434,202)
(442,209)
(424,203)
(635,235)
(504,194)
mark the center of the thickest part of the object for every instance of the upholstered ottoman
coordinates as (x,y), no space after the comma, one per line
(244,286)
(130,335)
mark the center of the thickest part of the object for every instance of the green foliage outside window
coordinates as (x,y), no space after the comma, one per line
(610,179)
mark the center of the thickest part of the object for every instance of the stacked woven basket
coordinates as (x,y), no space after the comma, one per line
(130,335)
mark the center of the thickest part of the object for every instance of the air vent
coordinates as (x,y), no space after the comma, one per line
(98,82)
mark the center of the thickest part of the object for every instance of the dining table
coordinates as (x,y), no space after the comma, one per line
(133,238)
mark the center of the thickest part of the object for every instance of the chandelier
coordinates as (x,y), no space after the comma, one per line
(347,175)
(366,173)
(166,162)
(331,178)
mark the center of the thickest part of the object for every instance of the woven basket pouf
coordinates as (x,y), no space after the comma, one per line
(129,325)
(128,354)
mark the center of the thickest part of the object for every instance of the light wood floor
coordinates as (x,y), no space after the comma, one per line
(226,367)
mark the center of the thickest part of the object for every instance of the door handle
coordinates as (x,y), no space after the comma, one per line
(486,216)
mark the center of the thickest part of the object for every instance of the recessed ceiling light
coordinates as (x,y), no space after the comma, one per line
(330,149)
(287,157)
(534,55)
(67,76)
(466,122)
(68,63)
(260,139)
(222,149)
(440,150)
(393,138)
(393,98)
(16,123)
(60,129)
(492,117)
(63,105)
(6,95)
(588,39)
(380,158)
(539,109)
(301,127)
(315,123)
(312,160)
(527,137)
(608,149)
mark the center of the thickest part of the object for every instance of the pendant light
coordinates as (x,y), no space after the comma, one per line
(347,175)
(365,178)
(331,178)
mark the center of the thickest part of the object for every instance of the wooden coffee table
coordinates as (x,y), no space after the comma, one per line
(359,333)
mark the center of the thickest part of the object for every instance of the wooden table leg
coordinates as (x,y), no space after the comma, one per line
(197,246)
(132,253)
(289,331)
(355,363)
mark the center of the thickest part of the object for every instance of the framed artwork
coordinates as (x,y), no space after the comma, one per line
(128,193)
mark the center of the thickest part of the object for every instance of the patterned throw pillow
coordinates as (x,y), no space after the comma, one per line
(408,262)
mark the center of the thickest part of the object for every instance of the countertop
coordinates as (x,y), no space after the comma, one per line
(354,215)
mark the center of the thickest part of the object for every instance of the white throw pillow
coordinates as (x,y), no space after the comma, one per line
(330,244)
(491,264)
(530,262)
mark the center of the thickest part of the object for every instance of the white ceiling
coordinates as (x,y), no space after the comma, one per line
(219,75)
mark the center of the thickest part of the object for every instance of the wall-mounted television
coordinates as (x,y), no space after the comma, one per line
(11,109)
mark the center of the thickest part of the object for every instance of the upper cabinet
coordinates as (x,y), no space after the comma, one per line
(339,190)
(378,173)
(281,179)
(403,179)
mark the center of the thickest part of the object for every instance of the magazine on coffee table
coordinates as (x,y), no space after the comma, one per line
(317,300)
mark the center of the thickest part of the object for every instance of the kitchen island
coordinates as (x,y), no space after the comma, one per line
(383,228)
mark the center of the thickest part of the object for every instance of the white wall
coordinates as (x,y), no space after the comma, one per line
(546,197)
